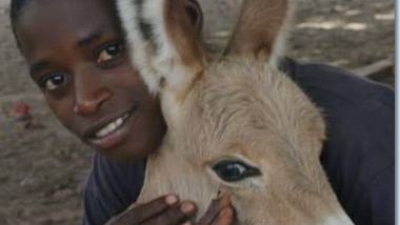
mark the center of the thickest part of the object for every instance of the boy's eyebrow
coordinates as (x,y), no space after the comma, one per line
(40,65)
(36,67)
(90,38)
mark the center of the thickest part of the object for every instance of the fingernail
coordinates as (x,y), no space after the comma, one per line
(171,199)
(226,212)
(187,207)
(225,200)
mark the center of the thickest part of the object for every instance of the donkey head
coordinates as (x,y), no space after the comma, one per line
(235,123)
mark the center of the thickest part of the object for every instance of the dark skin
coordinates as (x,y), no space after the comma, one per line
(76,54)
(77,57)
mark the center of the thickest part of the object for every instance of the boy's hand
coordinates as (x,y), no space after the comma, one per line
(166,210)
(220,212)
(169,210)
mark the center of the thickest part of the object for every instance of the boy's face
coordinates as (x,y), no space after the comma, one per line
(77,57)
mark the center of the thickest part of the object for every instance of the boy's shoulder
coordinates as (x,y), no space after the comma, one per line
(359,113)
(334,83)
(110,188)
(358,155)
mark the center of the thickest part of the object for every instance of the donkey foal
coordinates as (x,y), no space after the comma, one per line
(235,123)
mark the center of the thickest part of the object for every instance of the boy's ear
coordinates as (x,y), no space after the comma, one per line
(260,28)
(164,42)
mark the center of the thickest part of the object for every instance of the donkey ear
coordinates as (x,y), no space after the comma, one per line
(260,29)
(164,41)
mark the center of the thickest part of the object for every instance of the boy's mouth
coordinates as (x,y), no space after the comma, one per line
(108,134)
(111,127)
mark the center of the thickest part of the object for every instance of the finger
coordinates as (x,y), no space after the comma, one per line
(225,217)
(225,200)
(143,212)
(211,213)
(215,208)
(175,215)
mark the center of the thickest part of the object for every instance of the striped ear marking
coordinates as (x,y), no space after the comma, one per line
(163,43)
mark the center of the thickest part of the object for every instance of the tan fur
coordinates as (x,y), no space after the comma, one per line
(249,37)
(236,108)
(184,37)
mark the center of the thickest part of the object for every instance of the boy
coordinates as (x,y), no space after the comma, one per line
(75,50)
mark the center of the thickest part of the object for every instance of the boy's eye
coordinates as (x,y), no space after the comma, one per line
(110,52)
(54,81)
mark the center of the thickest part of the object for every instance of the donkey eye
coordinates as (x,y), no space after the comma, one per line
(232,171)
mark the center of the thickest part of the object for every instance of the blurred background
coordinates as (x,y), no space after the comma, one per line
(43,168)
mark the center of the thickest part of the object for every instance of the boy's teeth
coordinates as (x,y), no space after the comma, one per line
(111,127)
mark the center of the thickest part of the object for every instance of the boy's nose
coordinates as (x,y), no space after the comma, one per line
(86,107)
(90,94)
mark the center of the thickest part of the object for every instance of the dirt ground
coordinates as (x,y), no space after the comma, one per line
(43,168)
